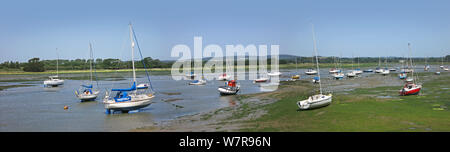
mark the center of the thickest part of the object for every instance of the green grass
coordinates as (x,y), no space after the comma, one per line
(168,70)
(361,111)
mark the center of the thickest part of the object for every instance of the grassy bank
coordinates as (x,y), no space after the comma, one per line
(371,109)
(168,70)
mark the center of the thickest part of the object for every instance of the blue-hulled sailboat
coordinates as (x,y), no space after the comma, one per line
(132,98)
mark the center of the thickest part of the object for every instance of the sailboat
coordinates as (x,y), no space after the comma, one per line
(201,81)
(378,69)
(311,71)
(352,72)
(427,66)
(53,81)
(334,70)
(410,88)
(339,75)
(130,98)
(442,65)
(88,93)
(297,76)
(385,71)
(318,100)
(358,70)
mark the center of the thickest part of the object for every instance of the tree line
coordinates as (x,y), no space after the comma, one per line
(35,65)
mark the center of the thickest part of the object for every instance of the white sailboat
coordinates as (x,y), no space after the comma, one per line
(201,81)
(385,71)
(131,98)
(378,69)
(53,81)
(88,92)
(311,71)
(358,70)
(352,72)
(318,100)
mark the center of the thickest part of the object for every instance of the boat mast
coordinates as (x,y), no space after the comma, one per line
(317,60)
(353,59)
(379,61)
(90,61)
(410,59)
(57,58)
(296,64)
(358,63)
(132,52)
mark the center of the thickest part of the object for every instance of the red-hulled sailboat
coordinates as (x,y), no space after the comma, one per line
(410,88)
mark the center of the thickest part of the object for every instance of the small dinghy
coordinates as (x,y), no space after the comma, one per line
(392,69)
(230,88)
(311,72)
(198,82)
(224,77)
(446,69)
(295,77)
(261,80)
(276,73)
(438,73)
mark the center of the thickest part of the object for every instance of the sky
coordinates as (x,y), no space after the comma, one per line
(343,28)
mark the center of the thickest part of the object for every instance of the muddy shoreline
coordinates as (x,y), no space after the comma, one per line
(251,106)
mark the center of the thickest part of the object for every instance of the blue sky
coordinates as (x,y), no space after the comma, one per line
(362,28)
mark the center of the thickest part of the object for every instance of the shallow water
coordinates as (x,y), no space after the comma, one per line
(37,108)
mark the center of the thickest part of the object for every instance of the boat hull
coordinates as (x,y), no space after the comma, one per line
(88,97)
(53,82)
(414,91)
(324,100)
(310,72)
(225,90)
(128,105)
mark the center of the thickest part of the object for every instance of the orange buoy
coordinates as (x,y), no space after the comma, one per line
(66,107)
